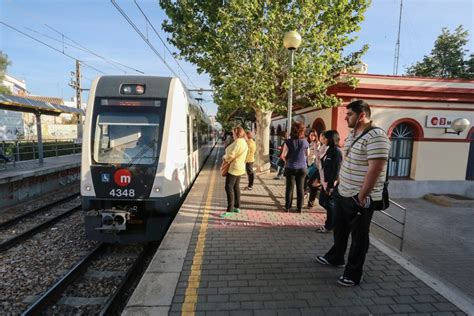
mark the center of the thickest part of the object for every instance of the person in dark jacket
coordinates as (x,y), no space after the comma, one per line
(330,165)
(295,153)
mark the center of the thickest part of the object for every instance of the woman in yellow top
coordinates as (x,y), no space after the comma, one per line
(250,160)
(235,152)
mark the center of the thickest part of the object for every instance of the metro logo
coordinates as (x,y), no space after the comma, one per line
(122,177)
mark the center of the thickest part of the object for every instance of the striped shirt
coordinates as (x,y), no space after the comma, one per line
(375,144)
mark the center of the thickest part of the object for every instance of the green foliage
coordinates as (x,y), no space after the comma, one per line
(240,45)
(447,57)
(4,63)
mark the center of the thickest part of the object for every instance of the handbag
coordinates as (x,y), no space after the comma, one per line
(311,170)
(225,167)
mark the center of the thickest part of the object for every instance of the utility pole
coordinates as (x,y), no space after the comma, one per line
(76,84)
(397,45)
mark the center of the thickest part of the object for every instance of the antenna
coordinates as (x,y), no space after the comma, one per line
(397,45)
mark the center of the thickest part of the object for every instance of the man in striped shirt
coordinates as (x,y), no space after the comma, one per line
(361,182)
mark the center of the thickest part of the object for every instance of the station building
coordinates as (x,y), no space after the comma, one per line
(426,155)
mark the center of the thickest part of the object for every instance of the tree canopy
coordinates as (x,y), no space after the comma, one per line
(239,44)
(448,58)
(4,63)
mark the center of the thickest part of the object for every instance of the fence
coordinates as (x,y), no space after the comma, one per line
(401,222)
(28,150)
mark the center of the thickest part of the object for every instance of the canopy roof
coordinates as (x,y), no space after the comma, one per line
(22,104)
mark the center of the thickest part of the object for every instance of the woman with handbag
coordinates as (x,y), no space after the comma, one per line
(294,153)
(330,165)
(234,156)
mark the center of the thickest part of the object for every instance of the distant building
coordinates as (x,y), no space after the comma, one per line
(416,113)
(11,123)
(18,125)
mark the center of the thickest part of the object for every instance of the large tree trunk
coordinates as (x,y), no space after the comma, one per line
(262,139)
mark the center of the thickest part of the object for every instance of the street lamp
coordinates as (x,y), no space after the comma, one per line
(291,41)
(458,125)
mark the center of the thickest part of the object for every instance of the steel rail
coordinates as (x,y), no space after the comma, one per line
(41,209)
(52,294)
(114,300)
(25,235)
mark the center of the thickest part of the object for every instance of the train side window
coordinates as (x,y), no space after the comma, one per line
(195,134)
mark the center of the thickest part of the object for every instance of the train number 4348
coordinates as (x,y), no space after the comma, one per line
(122,193)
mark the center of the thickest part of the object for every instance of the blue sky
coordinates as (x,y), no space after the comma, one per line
(98,26)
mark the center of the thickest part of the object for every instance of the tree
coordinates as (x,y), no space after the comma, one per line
(239,44)
(447,57)
(4,63)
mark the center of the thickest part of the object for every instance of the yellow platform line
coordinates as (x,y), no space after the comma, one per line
(190,295)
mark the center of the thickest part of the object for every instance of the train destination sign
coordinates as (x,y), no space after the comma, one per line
(129,102)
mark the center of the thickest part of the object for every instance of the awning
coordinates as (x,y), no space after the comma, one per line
(20,104)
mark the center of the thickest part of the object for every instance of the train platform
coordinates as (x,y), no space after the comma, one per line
(261,262)
(31,168)
(25,180)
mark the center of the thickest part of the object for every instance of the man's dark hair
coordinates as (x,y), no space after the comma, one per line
(358,107)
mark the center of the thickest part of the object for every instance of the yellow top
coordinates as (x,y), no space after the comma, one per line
(237,152)
(251,152)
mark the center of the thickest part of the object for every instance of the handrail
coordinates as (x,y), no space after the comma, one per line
(28,149)
(402,223)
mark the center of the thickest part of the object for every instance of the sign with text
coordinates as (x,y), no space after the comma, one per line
(439,121)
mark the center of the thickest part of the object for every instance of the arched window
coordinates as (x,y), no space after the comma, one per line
(401,151)
(319,125)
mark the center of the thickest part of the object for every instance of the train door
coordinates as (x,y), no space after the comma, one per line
(190,165)
(401,151)
(470,160)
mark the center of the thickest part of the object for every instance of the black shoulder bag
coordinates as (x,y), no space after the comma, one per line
(385,202)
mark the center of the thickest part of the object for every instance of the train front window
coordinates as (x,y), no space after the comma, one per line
(130,138)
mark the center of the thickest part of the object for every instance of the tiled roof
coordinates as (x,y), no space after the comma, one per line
(53,100)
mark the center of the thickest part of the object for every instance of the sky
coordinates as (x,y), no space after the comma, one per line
(96,25)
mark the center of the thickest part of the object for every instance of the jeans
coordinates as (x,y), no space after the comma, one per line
(250,174)
(327,202)
(232,191)
(355,220)
(294,176)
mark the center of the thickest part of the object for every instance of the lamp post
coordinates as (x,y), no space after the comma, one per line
(291,41)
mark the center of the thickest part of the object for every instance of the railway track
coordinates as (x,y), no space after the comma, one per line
(78,291)
(22,227)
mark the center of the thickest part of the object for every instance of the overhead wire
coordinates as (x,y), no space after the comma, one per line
(163,42)
(79,47)
(137,30)
(53,48)
(67,44)
(107,60)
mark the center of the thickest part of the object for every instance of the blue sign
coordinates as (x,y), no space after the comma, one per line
(105,177)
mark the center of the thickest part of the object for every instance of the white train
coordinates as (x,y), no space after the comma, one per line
(144,141)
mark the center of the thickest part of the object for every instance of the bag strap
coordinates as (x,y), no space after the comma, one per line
(359,137)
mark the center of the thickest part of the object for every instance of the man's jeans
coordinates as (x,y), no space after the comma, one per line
(352,219)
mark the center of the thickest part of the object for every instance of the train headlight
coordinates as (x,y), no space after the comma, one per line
(127,89)
(87,187)
(157,189)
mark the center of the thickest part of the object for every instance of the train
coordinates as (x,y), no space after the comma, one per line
(144,141)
